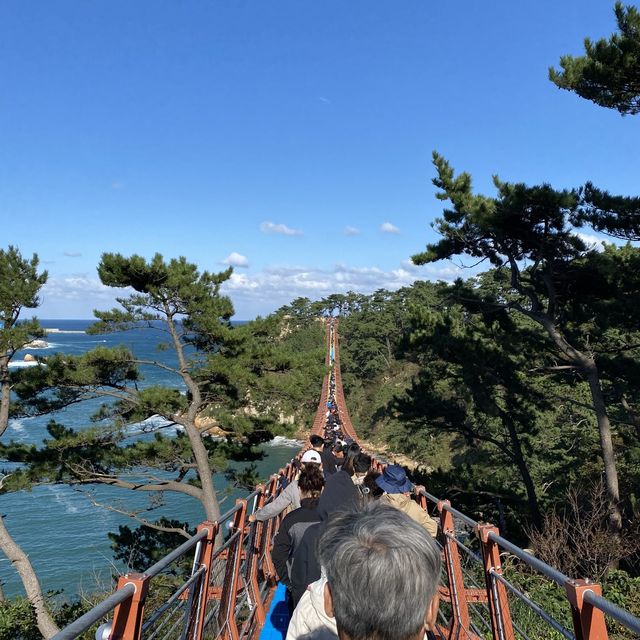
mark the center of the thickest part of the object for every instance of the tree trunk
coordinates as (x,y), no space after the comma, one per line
(5,393)
(200,453)
(523,468)
(20,561)
(201,456)
(589,369)
(606,445)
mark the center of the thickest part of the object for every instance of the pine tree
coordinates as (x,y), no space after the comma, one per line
(525,233)
(609,72)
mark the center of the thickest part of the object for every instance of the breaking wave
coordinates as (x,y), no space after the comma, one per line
(281,441)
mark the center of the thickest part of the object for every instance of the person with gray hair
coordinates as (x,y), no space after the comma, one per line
(382,571)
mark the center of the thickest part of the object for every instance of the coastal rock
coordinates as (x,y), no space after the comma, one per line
(29,358)
(210,426)
(36,344)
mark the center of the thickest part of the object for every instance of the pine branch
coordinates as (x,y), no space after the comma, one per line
(134,516)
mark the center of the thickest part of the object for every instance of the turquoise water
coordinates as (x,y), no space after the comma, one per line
(59,527)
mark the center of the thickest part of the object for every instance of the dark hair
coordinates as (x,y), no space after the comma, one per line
(361,463)
(311,481)
(350,452)
(369,482)
(353,449)
(316,441)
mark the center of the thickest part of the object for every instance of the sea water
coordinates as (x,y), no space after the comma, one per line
(64,529)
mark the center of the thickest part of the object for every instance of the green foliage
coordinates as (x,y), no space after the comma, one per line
(86,455)
(615,215)
(583,300)
(168,291)
(142,547)
(609,72)
(20,284)
(520,223)
(18,620)
(279,360)
(68,379)
(619,587)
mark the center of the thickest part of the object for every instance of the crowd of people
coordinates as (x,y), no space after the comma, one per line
(355,551)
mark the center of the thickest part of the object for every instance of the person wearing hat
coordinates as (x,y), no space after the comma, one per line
(397,493)
(311,456)
(289,496)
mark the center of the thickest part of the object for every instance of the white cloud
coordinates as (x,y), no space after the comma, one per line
(409,265)
(239,281)
(76,295)
(72,254)
(272,227)
(276,286)
(236,259)
(351,231)
(76,286)
(387,227)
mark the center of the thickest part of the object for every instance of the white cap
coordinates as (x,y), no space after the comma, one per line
(311,456)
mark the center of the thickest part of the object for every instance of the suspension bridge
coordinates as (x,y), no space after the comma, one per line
(231,592)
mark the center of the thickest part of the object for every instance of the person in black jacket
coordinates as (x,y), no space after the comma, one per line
(339,494)
(294,525)
(330,462)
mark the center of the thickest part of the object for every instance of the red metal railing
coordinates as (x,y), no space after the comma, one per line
(229,589)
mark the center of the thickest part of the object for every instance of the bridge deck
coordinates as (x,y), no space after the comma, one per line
(277,621)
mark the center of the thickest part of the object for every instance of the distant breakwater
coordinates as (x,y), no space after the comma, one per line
(56,330)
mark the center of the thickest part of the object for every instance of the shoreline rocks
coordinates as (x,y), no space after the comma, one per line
(36,344)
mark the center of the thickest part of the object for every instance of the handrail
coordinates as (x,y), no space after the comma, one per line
(553,574)
(534,606)
(618,614)
(175,596)
(591,596)
(177,553)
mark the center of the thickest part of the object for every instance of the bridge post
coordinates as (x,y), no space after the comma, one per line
(127,616)
(268,567)
(588,621)
(459,607)
(205,559)
(501,624)
(258,546)
(230,587)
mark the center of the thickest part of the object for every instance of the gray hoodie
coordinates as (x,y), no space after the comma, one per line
(289,496)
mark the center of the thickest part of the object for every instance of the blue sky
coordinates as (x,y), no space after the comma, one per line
(290,138)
